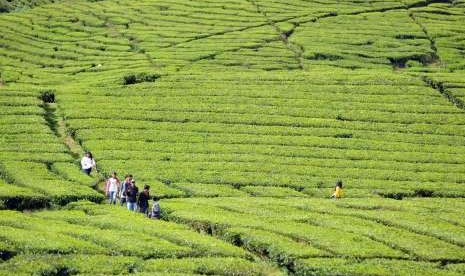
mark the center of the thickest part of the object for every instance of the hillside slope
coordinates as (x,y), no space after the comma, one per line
(240,115)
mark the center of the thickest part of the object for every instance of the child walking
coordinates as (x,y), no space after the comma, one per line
(337,190)
(155,213)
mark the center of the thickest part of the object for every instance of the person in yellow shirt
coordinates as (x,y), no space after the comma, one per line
(337,190)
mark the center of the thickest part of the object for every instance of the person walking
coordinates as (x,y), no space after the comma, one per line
(337,190)
(143,201)
(88,163)
(112,188)
(124,187)
(131,196)
(155,213)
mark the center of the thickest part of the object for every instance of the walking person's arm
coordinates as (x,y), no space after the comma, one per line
(125,191)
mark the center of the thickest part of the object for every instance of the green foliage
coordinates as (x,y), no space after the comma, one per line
(72,264)
(209,190)
(285,229)
(14,197)
(18,5)
(252,109)
(271,191)
(106,265)
(37,177)
(139,77)
(282,249)
(47,96)
(5,6)
(89,238)
(341,266)
(209,266)
(73,173)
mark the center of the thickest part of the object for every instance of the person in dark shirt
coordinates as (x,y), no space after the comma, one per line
(124,187)
(131,196)
(143,201)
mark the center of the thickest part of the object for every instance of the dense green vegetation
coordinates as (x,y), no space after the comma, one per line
(240,115)
(17,5)
(99,239)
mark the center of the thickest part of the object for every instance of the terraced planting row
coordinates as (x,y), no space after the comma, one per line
(388,43)
(446,35)
(86,238)
(234,34)
(451,85)
(300,138)
(34,161)
(240,115)
(314,237)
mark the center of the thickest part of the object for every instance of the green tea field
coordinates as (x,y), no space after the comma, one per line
(241,115)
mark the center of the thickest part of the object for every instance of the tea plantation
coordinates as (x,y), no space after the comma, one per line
(241,115)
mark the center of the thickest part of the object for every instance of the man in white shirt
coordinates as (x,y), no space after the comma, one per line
(87,163)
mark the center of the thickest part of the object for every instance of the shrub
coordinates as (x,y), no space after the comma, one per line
(19,198)
(343,135)
(45,182)
(5,6)
(272,191)
(47,96)
(50,264)
(209,190)
(342,266)
(140,77)
(72,173)
(209,266)
(129,79)
(424,193)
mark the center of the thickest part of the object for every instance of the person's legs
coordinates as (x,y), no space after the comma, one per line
(87,171)
(110,197)
(122,201)
(113,197)
(132,206)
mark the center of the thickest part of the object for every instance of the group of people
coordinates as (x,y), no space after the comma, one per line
(126,191)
